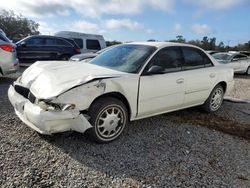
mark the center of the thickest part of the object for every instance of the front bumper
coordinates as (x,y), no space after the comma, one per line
(46,122)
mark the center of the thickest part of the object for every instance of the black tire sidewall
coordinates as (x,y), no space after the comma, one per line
(95,112)
(207,104)
(64,58)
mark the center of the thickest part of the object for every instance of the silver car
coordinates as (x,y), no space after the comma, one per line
(239,62)
(8,59)
(86,57)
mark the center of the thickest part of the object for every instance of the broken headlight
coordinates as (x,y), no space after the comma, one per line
(50,106)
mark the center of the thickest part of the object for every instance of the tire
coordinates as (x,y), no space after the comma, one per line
(215,99)
(64,58)
(109,117)
(248,71)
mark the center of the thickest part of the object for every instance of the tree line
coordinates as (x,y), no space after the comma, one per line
(207,43)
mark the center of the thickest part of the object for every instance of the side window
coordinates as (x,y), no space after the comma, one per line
(194,58)
(240,57)
(61,42)
(79,42)
(169,58)
(35,41)
(50,41)
(93,44)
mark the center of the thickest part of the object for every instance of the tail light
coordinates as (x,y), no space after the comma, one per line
(7,47)
(78,50)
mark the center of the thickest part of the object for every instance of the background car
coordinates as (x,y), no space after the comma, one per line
(211,52)
(245,53)
(86,42)
(8,59)
(88,56)
(42,47)
(239,62)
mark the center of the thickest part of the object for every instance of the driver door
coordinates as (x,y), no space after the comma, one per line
(162,91)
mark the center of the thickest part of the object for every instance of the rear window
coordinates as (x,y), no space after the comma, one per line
(62,42)
(93,44)
(50,41)
(195,58)
(79,42)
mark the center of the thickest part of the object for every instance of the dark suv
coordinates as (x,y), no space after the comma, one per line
(42,47)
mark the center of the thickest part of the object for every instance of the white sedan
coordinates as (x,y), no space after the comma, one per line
(125,83)
(239,62)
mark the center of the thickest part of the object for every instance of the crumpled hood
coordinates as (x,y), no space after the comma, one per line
(51,78)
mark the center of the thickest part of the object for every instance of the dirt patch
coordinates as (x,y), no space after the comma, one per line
(212,121)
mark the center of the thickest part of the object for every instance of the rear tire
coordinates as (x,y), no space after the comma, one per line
(215,99)
(109,117)
(64,58)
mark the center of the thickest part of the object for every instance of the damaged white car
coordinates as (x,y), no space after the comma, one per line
(125,83)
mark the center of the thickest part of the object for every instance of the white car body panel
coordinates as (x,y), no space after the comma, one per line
(80,84)
(239,66)
(154,90)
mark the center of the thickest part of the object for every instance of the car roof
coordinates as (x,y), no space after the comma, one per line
(71,41)
(162,44)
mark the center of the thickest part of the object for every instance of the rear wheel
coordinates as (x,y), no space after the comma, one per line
(109,117)
(215,99)
(64,58)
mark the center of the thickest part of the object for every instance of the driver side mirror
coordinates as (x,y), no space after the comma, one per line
(235,59)
(155,69)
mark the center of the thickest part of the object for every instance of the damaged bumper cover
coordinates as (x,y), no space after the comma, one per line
(47,122)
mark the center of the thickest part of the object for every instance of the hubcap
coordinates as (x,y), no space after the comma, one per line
(216,99)
(248,71)
(110,122)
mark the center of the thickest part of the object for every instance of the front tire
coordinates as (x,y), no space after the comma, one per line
(215,99)
(109,117)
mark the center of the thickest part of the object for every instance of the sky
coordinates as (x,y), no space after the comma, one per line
(140,20)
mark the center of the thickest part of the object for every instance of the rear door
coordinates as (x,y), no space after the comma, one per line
(200,76)
(162,92)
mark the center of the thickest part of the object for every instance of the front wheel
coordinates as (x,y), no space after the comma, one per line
(215,99)
(109,117)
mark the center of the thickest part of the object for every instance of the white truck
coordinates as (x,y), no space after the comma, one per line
(87,42)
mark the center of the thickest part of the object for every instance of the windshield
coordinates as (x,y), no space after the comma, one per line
(222,56)
(126,58)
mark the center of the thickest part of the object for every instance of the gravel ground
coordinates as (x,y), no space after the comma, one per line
(242,87)
(181,149)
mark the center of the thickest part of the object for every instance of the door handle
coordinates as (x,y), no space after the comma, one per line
(180,81)
(212,75)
